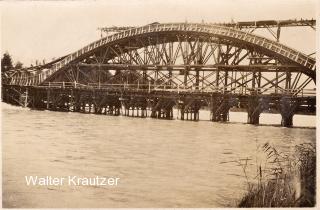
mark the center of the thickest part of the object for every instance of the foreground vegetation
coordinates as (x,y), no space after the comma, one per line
(282,180)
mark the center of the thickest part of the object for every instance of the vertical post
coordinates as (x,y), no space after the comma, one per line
(277,82)
(288,81)
(26,99)
(71,101)
(217,78)
(259,81)
(170,77)
(144,76)
(48,97)
(253,80)
(278,32)
(226,81)
(99,76)
(197,79)
(156,76)
(185,76)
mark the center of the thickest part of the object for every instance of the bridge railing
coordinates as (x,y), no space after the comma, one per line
(62,85)
(147,88)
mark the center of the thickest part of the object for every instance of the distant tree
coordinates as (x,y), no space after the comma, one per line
(18,65)
(6,62)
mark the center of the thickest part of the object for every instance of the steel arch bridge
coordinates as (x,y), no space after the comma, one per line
(196,60)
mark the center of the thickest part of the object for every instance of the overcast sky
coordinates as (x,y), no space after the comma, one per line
(43,30)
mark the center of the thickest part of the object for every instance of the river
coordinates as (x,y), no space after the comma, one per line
(160,163)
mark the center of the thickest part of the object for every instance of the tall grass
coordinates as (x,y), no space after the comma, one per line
(282,180)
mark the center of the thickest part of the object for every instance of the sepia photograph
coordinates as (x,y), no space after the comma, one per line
(159,103)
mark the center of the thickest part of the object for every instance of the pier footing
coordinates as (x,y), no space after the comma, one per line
(220,106)
(287,108)
(256,105)
(161,108)
(189,109)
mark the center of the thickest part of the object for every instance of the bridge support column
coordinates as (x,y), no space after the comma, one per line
(135,107)
(162,108)
(58,100)
(82,107)
(48,100)
(220,106)
(84,99)
(162,113)
(287,107)
(255,107)
(70,103)
(189,109)
(97,109)
(76,101)
(24,98)
(112,106)
(89,108)
(38,97)
(287,120)
(98,100)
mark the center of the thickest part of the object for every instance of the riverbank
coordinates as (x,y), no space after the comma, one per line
(284,181)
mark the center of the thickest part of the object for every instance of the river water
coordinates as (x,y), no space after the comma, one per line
(160,163)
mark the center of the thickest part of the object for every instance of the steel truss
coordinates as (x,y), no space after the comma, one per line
(187,62)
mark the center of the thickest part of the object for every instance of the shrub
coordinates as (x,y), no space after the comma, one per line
(283,180)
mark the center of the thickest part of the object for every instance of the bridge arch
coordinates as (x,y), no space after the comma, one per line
(239,37)
(154,34)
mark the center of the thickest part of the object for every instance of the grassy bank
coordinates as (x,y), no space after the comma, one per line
(282,180)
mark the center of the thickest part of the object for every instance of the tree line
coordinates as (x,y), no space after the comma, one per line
(8,64)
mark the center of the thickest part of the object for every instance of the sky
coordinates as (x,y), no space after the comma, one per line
(34,30)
